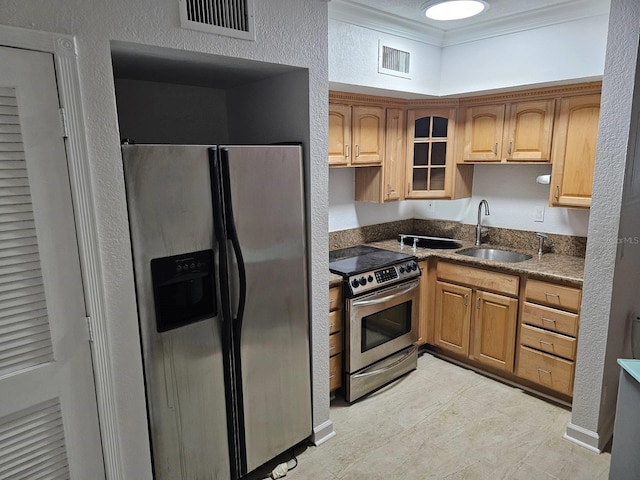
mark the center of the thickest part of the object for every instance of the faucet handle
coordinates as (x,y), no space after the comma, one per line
(541,237)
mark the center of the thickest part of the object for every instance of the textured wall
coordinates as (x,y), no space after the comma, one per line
(612,265)
(292,32)
(513,203)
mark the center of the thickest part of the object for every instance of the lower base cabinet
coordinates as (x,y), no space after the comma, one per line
(335,338)
(476,316)
(548,335)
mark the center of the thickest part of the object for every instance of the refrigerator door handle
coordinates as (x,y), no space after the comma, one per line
(235,426)
(232,235)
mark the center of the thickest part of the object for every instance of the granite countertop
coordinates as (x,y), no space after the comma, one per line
(564,269)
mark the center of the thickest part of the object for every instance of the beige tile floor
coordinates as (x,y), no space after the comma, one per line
(443,421)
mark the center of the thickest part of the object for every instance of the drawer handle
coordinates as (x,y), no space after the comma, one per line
(548,372)
(332,376)
(331,325)
(332,347)
(544,319)
(547,294)
(542,342)
(331,300)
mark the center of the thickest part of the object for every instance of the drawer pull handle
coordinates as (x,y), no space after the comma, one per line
(547,294)
(332,347)
(331,300)
(548,372)
(332,376)
(542,342)
(331,325)
(544,319)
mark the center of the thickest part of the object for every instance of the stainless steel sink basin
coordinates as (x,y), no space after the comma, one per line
(495,254)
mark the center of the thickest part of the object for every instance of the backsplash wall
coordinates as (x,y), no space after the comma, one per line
(511,190)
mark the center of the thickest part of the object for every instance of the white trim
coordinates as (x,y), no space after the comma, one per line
(322,433)
(357,13)
(63,48)
(587,438)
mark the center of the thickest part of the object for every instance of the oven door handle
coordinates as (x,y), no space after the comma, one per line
(407,354)
(374,301)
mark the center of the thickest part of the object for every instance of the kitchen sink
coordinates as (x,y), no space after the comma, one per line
(428,242)
(495,254)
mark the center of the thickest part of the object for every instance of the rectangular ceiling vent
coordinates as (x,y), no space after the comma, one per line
(393,61)
(232,18)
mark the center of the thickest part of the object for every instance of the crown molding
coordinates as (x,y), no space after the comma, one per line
(356,14)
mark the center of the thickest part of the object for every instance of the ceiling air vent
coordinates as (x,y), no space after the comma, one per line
(393,61)
(233,18)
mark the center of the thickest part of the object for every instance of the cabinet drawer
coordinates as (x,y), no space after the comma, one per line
(335,372)
(550,318)
(476,277)
(566,298)
(548,341)
(335,343)
(335,298)
(552,372)
(335,321)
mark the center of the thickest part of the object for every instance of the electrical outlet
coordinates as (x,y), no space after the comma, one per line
(538,215)
(431,206)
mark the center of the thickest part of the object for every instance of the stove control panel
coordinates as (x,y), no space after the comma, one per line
(365,282)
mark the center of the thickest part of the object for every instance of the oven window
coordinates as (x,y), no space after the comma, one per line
(380,327)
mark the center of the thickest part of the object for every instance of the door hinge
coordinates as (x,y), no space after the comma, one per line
(64,123)
(89,329)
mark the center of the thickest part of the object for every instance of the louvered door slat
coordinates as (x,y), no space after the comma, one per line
(32,444)
(25,339)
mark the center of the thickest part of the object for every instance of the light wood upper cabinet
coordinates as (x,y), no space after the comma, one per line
(393,183)
(483,133)
(339,134)
(574,151)
(528,131)
(511,132)
(356,135)
(430,146)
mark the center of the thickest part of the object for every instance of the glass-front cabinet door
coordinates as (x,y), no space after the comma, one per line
(430,143)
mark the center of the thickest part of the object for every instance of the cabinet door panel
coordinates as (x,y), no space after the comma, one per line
(394,156)
(368,135)
(453,317)
(529,131)
(574,151)
(494,330)
(483,133)
(339,134)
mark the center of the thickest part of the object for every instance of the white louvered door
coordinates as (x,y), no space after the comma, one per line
(48,415)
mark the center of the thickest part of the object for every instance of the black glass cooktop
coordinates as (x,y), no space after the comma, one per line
(363,258)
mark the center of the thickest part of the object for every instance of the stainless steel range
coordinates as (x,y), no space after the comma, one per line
(381,290)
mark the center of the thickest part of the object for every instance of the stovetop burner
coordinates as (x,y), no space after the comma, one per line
(366,268)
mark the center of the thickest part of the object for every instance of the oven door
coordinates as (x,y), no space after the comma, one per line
(381,324)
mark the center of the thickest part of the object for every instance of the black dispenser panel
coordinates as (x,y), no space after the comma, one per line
(183,289)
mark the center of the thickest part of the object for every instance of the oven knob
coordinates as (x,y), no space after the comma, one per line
(413,266)
(355,283)
(370,279)
(363,281)
(401,269)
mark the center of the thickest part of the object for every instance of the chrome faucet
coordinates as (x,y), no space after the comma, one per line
(479,225)
(541,237)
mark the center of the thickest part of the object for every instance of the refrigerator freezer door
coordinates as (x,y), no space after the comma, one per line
(269,215)
(169,201)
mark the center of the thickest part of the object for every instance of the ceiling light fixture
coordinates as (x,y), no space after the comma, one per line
(453,9)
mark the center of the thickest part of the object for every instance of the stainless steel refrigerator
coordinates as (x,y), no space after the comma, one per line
(218,237)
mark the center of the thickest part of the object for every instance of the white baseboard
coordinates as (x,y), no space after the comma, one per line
(322,433)
(588,439)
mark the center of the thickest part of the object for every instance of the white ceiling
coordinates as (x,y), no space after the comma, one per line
(405,17)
